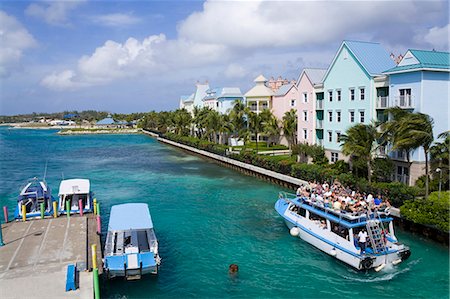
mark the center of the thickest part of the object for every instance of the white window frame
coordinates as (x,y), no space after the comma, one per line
(334,157)
(293,102)
(305,97)
(350,116)
(338,95)
(362,117)
(330,136)
(362,93)
(338,116)
(330,95)
(305,134)
(338,136)
(330,116)
(352,89)
(305,115)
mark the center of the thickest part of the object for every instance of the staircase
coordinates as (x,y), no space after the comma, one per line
(374,231)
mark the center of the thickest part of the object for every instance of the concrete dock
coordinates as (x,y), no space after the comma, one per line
(34,259)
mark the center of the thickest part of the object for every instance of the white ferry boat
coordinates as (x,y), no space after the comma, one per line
(131,248)
(73,191)
(335,232)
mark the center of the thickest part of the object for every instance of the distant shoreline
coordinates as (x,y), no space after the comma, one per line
(98,131)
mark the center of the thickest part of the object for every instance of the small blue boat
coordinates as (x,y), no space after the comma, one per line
(73,191)
(131,248)
(31,196)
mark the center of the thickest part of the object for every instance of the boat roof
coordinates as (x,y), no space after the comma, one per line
(74,186)
(130,216)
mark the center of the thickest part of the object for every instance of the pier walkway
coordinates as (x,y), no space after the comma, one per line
(34,259)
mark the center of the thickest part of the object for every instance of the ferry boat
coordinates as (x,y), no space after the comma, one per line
(31,195)
(131,248)
(335,232)
(72,191)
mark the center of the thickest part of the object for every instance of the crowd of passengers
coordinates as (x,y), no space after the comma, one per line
(341,198)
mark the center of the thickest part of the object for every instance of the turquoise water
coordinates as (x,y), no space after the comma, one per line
(207,217)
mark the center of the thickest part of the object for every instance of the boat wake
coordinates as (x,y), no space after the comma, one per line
(388,273)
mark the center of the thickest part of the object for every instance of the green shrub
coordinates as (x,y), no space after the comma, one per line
(433,211)
(313,172)
(382,169)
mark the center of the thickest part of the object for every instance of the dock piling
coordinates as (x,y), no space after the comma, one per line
(94,255)
(80,206)
(55,209)
(95,206)
(1,236)
(96,284)
(99,225)
(98,208)
(68,208)
(42,210)
(5,213)
(24,213)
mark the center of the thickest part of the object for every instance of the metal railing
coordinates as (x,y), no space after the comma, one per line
(319,124)
(319,104)
(405,101)
(402,178)
(382,102)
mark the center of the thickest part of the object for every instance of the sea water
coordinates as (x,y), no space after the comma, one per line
(207,217)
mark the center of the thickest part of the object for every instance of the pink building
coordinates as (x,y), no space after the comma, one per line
(306,106)
(285,98)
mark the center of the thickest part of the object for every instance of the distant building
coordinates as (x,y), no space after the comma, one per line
(222,99)
(259,97)
(107,122)
(195,99)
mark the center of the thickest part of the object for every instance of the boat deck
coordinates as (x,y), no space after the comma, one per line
(34,259)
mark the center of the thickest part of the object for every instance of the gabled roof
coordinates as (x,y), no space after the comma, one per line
(106,121)
(283,90)
(419,59)
(372,57)
(260,89)
(223,92)
(315,76)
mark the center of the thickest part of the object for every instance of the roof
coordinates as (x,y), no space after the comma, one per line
(260,90)
(421,59)
(315,76)
(200,93)
(223,92)
(283,90)
(106,121)
(130,216)
(74,186)
(372,57)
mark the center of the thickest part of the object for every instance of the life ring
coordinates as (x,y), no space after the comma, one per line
(366,263)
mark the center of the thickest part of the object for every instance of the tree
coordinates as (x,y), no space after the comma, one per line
(414,131)
(271,128)
(439,158)
(290,127)
(360,141)
(212,124)
(255,125)
(238,119)
(181,120)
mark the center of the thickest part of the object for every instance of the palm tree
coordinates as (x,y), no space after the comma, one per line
(181,120)
(290,127)
(255,125)
(440,157)
(390,132)
(361,141)
(272,129)
(238,118)
(414,131)
(212,124)
(225,127)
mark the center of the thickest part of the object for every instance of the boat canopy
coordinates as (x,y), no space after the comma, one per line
(74,186)
(130,216)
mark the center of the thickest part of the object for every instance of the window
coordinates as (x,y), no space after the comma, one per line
(217,104)
(352,94)
(352,116)
(362,93)
(338,95)
(305,115)
(334,157)
(338,137)
(305,97)
(265,105)
(330,96)
(305,134)
(338,116)
(292,103)
(330,136)
(253,106)
(361,116)
(330,116)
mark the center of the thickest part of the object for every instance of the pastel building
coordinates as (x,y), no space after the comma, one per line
(222,99)
(349,90)
(306,104)
(259,97)
(419,83)
(195,99)
(284,99)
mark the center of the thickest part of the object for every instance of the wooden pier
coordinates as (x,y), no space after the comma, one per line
(34,259)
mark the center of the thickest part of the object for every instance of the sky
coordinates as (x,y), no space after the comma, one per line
(138,56)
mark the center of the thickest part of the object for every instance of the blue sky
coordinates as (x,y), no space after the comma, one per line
(129,56)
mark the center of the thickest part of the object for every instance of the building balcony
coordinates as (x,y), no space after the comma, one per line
(319,142)
(402,178)
(319,124)
(382,102)
(405,102)
(399,155)
(319,105)
(381,152)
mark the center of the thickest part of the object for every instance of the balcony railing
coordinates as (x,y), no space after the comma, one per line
(404,101)
(319,124)
(382,102)
(319,142)
(319,105)
(403,178)
(381,152)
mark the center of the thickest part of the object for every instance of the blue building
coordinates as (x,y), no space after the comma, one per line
(222,99)
(419,83)
(348,91)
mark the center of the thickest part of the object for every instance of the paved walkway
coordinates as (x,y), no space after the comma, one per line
(33,263)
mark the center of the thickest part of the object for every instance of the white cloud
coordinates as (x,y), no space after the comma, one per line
(116,19)
(53,12)
(14,39)
(438,37)
(235,71)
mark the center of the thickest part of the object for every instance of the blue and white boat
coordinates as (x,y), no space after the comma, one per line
(31,196)
(335,232)
(131,248)
(72,191)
